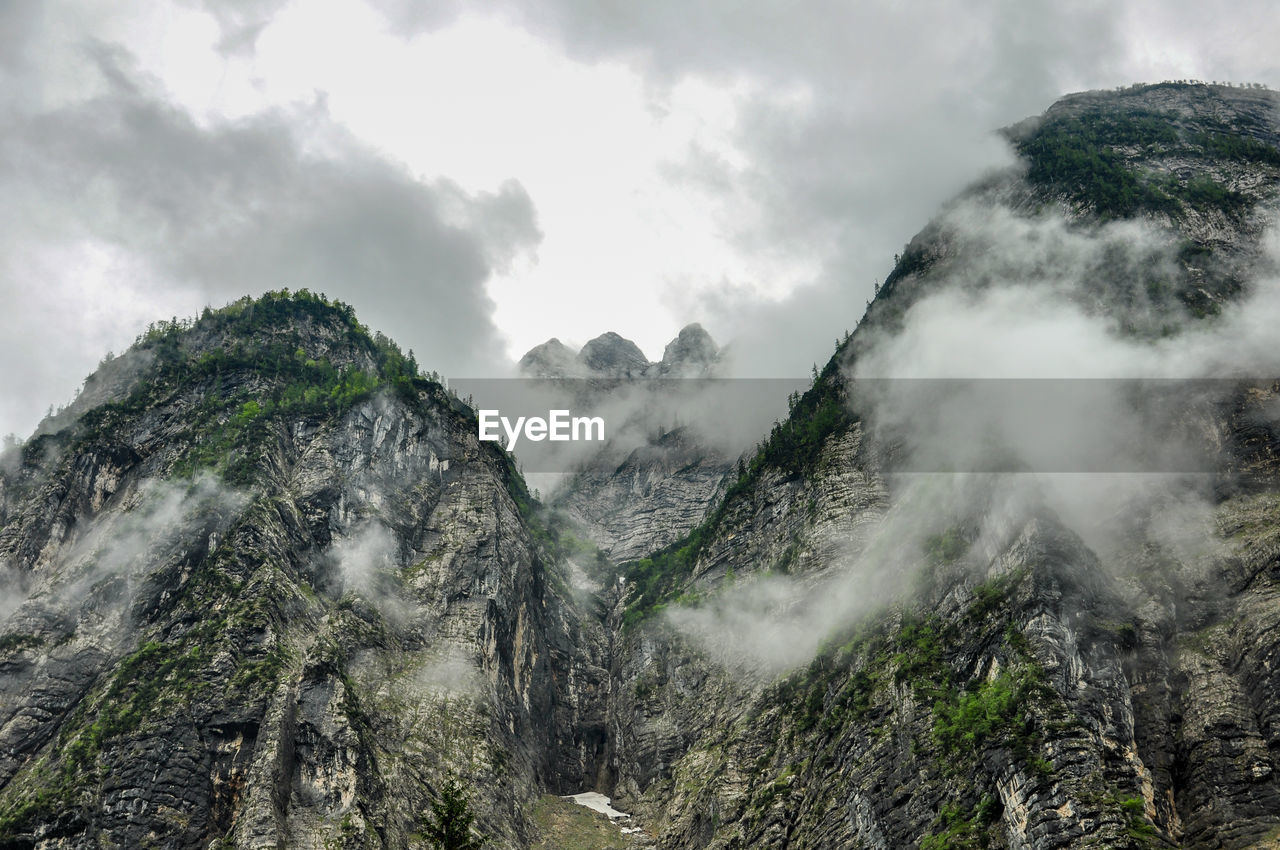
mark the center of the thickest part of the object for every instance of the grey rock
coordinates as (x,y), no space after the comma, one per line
(691,354)
(551,359)
(614,356)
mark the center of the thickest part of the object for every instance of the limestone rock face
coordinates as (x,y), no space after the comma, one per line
(551,359)
(651,499)
(691,354)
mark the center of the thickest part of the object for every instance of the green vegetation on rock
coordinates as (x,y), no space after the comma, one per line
(793,448)
(1094,157)
(958,829)
(253,364)
(1078,155)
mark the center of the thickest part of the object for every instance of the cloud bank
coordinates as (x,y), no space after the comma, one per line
(123,208)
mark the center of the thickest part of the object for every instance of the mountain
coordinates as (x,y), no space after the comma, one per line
(652,484)
(264,586)
(844,656)
(551,359)
(613,355)
(692,354)
(274,592)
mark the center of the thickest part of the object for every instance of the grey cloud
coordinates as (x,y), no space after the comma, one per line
(894,111)
(150,533)
(240,21)
(284,198)
(866,117)
(769,623)
(18,20)
(1023,303)
(411,17)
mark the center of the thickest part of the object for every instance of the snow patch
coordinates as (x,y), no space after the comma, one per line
(599,803)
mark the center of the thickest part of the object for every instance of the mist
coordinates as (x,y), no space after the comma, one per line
(1017,389)
(98,575)
(721,417)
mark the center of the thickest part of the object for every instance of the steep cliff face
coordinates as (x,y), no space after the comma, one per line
(1021,695)
(845,656)
(274,593)
(652,498)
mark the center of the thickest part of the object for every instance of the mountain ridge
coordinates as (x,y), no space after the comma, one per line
(691,354)
(270,589)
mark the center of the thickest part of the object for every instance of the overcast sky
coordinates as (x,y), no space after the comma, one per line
(475,178)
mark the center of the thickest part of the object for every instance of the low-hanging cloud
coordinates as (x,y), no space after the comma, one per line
(1042,327)
(363,559)
(1026,327)
(363,562)
(147,530)
(1061,381)
(765,624)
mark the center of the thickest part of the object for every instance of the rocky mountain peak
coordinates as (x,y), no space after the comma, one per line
(551,359)
(1227,108)
(690,353)
(613,354)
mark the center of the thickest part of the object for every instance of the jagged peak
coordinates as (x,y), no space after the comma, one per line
(692,351)
(613,354)
(551,359)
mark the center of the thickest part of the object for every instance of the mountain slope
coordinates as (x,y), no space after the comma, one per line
(972,672)
(275,594)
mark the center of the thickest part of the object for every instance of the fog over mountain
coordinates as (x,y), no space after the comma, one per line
(936,497)
(475,179)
